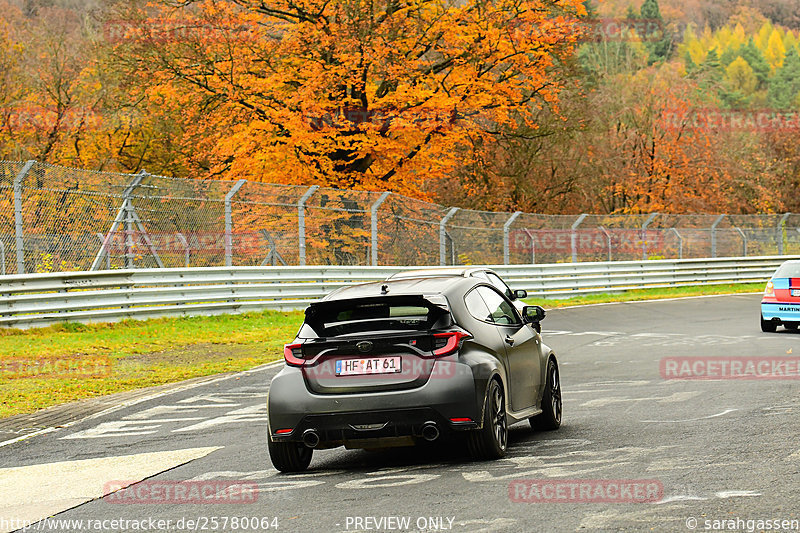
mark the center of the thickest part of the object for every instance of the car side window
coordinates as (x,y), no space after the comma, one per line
(477,307)
(500,310)
(495,280)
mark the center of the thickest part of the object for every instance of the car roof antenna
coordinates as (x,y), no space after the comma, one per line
(384,289)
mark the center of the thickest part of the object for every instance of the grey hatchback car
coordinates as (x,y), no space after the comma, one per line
(406,360)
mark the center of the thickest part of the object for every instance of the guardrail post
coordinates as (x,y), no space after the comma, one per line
(574,237)
(374,226)
(680,242)
(608,238)
(714,235)
(18,229)
(506,235)
(443,235)
(781,226)
(229,222)
(644,234)
(301,223)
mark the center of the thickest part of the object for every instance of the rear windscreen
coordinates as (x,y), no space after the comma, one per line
(344,317)
(788,270)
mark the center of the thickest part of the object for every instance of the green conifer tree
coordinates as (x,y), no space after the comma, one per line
(659,50)
(784,88)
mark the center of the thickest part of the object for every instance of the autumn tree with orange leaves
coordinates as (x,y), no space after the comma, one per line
(667,154)
(354,94)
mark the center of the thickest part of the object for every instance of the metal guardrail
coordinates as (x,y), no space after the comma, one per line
(42,299)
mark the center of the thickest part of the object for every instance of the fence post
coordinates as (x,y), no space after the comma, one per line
(374,226)
(443,235)
(644,234)
(574,237)
(129,259)
(533,245)
(680,242)
(714,235)
(186,252)
(608,238)
(781,225)
(301,223)
(125,215)
(229,222)
(744,240)
(506,234)
(100,254)
(127,203)
(3,257)
(18,229)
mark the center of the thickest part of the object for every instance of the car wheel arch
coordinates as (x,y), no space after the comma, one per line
(550,355)
(494,376)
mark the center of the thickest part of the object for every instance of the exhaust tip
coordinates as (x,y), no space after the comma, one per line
(430,431)
(311,438)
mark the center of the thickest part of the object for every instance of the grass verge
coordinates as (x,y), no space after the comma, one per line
(153,352)
(649,294)
(139,354)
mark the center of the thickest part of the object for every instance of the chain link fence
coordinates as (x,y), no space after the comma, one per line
(56,219)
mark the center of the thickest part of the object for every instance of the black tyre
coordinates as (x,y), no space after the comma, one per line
(289,456)
(768,326)
(791,326)
(550,418)
(491,441)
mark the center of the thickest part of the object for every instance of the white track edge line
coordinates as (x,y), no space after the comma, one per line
(122,405)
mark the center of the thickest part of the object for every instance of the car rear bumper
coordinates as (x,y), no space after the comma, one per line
(785,312)
(339,418)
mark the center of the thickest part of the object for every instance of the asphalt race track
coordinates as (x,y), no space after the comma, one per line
(720,449)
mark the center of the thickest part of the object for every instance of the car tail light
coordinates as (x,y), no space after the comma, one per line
(293,354)
(284,431)
(770,290)
(460,420)
(447,343)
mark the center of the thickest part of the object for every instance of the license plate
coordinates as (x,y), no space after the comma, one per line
(795,292)
(367,366)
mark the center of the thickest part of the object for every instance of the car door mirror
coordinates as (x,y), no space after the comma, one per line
(519,294)
(533,314)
